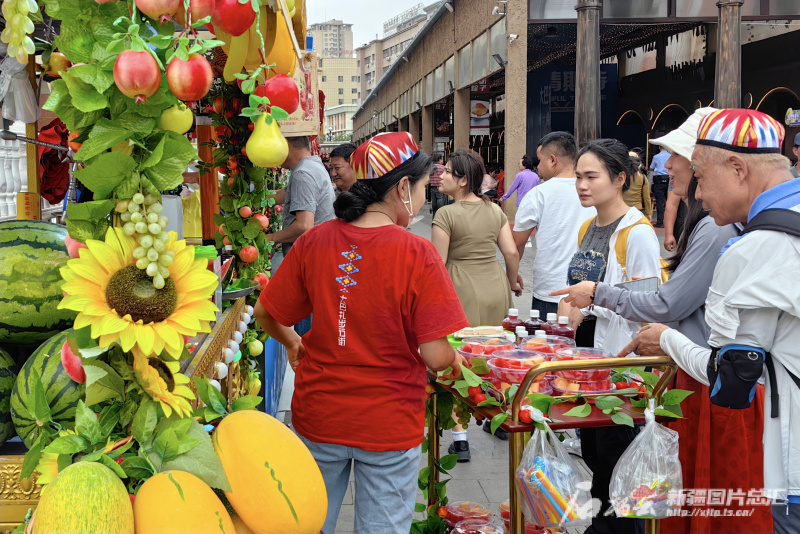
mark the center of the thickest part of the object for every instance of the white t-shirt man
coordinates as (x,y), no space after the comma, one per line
(555,209)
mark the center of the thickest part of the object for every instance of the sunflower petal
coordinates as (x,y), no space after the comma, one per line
(127,338)
(145,338)
(183,391)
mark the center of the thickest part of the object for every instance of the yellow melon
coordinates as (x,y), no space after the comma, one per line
(276,485)
(175,502)
(241,528)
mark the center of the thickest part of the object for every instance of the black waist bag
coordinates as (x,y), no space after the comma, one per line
(733,374)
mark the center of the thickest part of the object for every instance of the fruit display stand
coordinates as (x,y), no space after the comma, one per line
(517,429)
(16,496)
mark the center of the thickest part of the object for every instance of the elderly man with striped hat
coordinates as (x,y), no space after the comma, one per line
(753,305)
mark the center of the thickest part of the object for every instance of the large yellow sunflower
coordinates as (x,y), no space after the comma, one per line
(162,381)
(121,305)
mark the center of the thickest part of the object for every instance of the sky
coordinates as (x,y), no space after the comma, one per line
(366,16)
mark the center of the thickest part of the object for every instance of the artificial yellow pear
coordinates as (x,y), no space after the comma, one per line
(178,119)
(266,146)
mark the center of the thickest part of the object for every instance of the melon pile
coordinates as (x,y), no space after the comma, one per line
(276,488)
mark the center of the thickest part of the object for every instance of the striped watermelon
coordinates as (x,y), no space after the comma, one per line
(61,391)
(31,254)
(7,376)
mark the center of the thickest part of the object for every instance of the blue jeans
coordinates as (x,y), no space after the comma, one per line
(385,486)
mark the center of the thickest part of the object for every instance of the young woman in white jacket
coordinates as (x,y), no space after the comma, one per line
(604,171)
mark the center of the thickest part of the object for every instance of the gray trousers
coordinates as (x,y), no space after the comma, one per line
(786,518)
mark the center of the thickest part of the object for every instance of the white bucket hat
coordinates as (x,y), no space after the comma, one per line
(681,141)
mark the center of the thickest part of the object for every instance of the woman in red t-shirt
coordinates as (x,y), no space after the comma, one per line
(383,305)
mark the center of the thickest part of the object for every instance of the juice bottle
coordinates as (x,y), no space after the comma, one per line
(511,322)
(534,323)
(563,329)
(552,322)
(540,333)
(522,333)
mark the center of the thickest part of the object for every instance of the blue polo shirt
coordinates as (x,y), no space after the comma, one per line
(782,196)
(657,165)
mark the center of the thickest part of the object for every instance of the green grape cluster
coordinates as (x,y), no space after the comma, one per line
(18,27)
(463,414)
(142,218)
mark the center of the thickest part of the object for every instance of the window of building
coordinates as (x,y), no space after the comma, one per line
(341,91)
(324,79)
(358,63)
(341,101)
(354,90)
(320,63)
(355,101)
(341,78)
(353,78)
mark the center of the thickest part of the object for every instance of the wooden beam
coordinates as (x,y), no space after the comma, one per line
(29,205)
(209,183)
(587,71)
(728,82)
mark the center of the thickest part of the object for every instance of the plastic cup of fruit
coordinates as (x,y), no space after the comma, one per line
(478,526)
(505,515)
(511,366)
(549,344)
(563,386)
(581,353)
(460,511)
(482,347)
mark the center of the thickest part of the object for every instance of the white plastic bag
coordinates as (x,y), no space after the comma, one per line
(552,491)
(19,100)
(619,334)
(647,480)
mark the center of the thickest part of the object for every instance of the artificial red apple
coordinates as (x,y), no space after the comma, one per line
(233,17)
(73,247)
(262,279)
(245,212)
(58,62)
(282,92)
(73,365)
(200,9)
(263,219)
(189,80)
(248,254)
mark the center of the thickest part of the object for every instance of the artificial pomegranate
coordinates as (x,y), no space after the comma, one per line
(248,254)
(189,80)
(282,92)
(245,212)
(137,75)
(263,219)
(200,9)
(160,10)
(233,17)
(72,364)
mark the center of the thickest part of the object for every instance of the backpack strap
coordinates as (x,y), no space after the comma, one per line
(621,249)
(777,220)
(584,228)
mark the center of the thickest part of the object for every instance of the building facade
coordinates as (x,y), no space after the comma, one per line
(332,39)
(338,79)
(339,122)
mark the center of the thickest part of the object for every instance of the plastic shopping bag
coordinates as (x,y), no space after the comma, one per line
(647,480)
(16,92)
(552,491)
(619,334)
(192,219)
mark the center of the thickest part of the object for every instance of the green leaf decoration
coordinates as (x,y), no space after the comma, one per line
(674,396)
(80,230)
(252,229)
(90,211)
(137,467)
(498,420)
(69,444)
(32,457)
(607,402)
(580,411)
(639,403)
(144,422)
(103,136)
(127,187)
(65,9)
(109,417)
(76,42)
(156,155)
(471,378)
(670,410)
(621,418)
(102,383)
(278,113)
(136,123)
(84,96)
(247,402)
(87,425)
(38,406)
(91,74)
(542,402)
(479,366)
(490,401)
(168,172)
(105,172)
(651,379)
(448,462)
(111,464)
(201,461)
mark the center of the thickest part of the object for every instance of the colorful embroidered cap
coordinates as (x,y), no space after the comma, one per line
(741,130)
(382,154)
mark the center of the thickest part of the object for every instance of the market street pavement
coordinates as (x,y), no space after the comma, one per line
(483,480)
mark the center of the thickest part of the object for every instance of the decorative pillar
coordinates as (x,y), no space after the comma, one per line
(587,71)
(427,129)
(728,82)
(29,205)
(209,181)
(516,86)
(413,126)
(461,118)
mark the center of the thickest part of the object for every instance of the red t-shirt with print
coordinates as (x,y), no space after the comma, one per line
(376,295)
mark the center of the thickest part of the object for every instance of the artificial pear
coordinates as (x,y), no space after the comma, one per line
(266,146)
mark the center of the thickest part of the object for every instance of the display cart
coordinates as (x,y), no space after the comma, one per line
(516,429)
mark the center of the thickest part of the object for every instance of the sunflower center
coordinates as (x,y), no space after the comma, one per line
(164,372)
(130,292)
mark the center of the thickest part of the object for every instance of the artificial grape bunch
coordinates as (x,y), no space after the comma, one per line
(463,413)
(142,218)
(18,27)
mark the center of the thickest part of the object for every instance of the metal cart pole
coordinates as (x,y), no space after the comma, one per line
(516,429)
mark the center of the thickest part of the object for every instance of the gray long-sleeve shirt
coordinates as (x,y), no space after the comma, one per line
(679,302)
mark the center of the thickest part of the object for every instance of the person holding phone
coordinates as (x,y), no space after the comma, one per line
(680,303)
